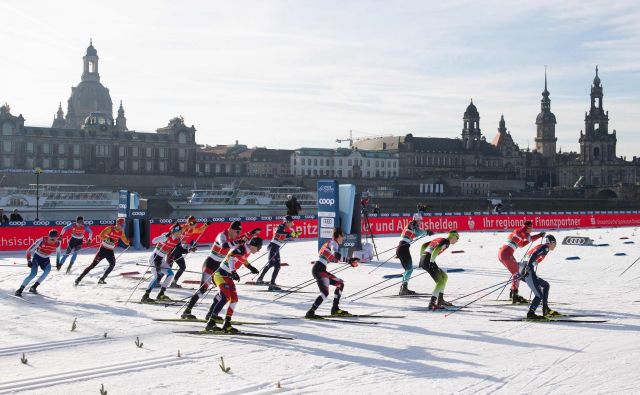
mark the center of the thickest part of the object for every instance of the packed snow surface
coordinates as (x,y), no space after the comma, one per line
(424,352)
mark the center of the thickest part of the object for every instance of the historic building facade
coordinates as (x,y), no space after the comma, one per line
(344,163)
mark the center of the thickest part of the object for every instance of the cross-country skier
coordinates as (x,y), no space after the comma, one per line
(283,233)
(429,252)
(408,235)
(329,252)
(190,233)
(520,237)
(224,278)
(165,244)
(225,241)
(109,237)
(78,230)
(539,286)
(41,250)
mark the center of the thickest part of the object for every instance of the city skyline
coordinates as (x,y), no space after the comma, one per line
(286,76)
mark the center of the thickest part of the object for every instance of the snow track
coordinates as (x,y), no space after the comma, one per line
(50,380)
(51,345)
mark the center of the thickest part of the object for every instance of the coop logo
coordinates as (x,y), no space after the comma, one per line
(217,219)
(41,223)
(326,188)
(576,241)
(250,219)
(63,222)
(165,221)
(104,222)
(349,244)
(329,202)
(138,213)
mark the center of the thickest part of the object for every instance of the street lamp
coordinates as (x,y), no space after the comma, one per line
(38,171)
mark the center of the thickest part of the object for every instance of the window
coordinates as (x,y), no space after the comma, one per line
(61,164)
(149,151)
(340,162)
(29,148)
(7,147)
(6,161)
(302,161)
(182,153)
(121,151)
(46,148)
(135,165)
(149,166)
(349,163)
(121,164)
(182,166)
(162,166)
(162,152)
(135,152)
(61,149)
(7,129)
(182,138)
(207,168)
(46,163)
(315,162)
(102,150)
(76,164)
(76,149)
(29,163)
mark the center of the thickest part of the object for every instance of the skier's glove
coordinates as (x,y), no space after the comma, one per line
(193,249)
(253,269)
(541,234)
(235,276)
(354,262)
(208,222)
(296,233)
(429,232)
(29,263)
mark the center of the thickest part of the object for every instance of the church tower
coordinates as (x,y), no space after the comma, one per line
(90,96)
(58,120)
(596,143)
(121,121)
(546,126)
(471,134)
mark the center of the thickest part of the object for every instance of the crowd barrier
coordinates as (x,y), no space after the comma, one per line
(20,235)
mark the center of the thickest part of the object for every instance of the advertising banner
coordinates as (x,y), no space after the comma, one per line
(328,209)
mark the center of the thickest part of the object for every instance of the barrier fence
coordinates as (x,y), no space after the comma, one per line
(20,235)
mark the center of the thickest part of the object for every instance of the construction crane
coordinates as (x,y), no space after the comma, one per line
(351,139)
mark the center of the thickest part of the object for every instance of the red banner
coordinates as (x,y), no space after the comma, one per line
(20,237)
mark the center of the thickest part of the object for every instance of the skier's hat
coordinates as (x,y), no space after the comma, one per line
(175,228)
(53,233)
(256,242)
(120,220)
(549,239)
(453,233)
(236,225)
(288,218)
(79,218)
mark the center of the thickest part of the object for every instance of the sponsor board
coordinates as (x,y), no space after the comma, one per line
(327,222)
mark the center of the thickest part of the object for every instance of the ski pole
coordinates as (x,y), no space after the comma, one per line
(483,289)
(367,288)
(634,262)
(368,224)
(305,284)
(265,265)
(394,256)
(186,271)
(475,300)
(142,278)
(389,286)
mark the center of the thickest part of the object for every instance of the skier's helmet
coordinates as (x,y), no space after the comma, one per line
(175,228)
(452,234)
(288,218)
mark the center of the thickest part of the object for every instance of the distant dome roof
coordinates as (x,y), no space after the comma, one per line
(471,111)
(596,80)
(91,51)
(546,117)
(97,118)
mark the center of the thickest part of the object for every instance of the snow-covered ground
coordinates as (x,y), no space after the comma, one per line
(424,352)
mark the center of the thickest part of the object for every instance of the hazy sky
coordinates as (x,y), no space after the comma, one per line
(300,73)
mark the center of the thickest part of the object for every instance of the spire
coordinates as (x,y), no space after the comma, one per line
(121,121)
(60,112)
(596,80)
(58,119)
(545,93)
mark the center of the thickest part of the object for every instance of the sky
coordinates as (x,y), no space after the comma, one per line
(291,74)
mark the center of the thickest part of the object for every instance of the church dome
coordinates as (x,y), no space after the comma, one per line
(546,117)
(91,51)
(97,118)
(471,111)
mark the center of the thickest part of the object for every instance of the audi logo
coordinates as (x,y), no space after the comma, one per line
(122,205)
(330,202)
(575,240)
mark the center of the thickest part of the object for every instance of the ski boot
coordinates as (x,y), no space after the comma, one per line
(531,315)
(76,282)
(517,299)
(442,302)
(187,314)
(274,287)
(550,313)
(433,304)
(162,296)
(260,282)
(212,327)
(34,288)
(404,290)
(101,281)
(311,314)
(19,292)
(175,285)
(146,298)
(226,327)
(337,312)
(69,268)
